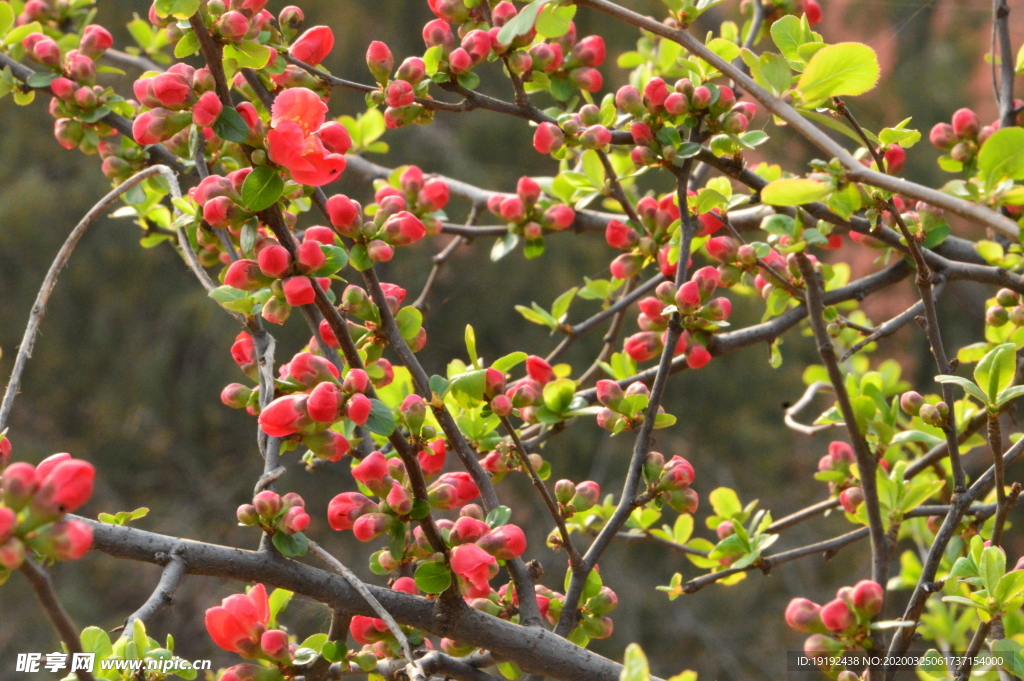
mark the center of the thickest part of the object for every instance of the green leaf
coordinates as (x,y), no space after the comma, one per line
(789,34)
(279,599)
(20,33)
(964,383)
(995,371)
(6,17)
(336,258)
(180,9)
(1002,156)
(468,387)
(725,502)
(521,23)
(359,258)
(248,55)
(991,568)
(634,665)
(503,246)
(842,69)
(291,545)
(432,577)
(470,340)
(381,421)
(1011,584)
(41,79)
(793,192)
(439,384)
(504,364)
(1009,394)
(554,20)
(558,394)
(499,516)
(95,640)
(683,529)
(187,46)
(410,321)
(561,305)
(231,126)
(261,188)
(139,637)
(334,651)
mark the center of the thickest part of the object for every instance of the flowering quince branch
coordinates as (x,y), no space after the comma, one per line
(163,595)
(276,150)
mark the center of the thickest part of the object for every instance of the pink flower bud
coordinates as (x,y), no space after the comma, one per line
(380,61)
(274,261)
(309,257)
(380,251)
(412,70)
(841,453)
(8,523)
(851,498)
(589,51)
(12,553)
(267,504)
(587,495)
(232,26)
(643,346)
(548,138)
(505,542)
(324,402)
(804,616)
(404,228)
(344,509)
(718,309)
(298,291)
(626,266)
(813,11)
(400,500)
(95,41)
(609,393)
(868,597)
(539,370)
(314,45)
(459,61)
(399,93)
(688,297)
(370,526)
(207,109)
(628,99)
(64,488)
(701,97)
(966,124)
(467,530)
(472,564)
(942,136)
(438,32)
(344,214)
(477,44)
(274,644)
(285,416)
(358,409)
(619,235)
(837,616)
(586,78)
(596,137)
(911,402)
(235,395)
(655,93)
(642,133)
(501,405)
(66,540)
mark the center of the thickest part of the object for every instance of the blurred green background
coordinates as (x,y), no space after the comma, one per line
(132,355)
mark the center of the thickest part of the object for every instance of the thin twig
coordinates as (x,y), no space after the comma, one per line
(59,618)
(358,585)
(163,595)
(50,280)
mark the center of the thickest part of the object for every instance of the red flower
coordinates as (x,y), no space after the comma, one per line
(539,370)
(294,140)
(237,624)
(473,566)
(344,509)
(313,46)
(298,291)
(207,109)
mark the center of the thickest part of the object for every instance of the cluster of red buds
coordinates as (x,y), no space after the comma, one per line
(963,136)
(78,103)
(659,110)
(220,198)
(914,404)
(671,481)
(240,625)
(839,625)
(1005,308)
(398,95)
(233,22)
(528,213)
(575,498)
(700,314)
(623,409)
(356,302)
(835,468)
(523,394)
(33,503)
(392,224)
(272,513)
(408,190)
(650,239)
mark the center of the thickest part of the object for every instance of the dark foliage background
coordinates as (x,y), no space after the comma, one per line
(132,356)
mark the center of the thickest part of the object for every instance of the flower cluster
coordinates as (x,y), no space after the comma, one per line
(33,503)
(272,513)
(700,314)
(625,409)
(392,224)
(528,213)
(839,625)
(671,481)
(963,136)
(659,110)
(240,625)
(408,190)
